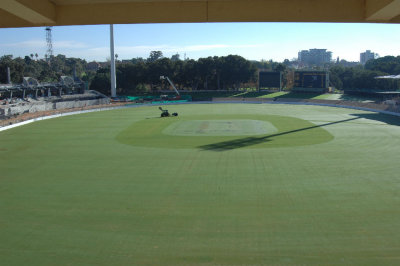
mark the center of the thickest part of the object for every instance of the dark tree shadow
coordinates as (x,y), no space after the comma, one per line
(249,141)
(384,118)
(299,95)
(290,95)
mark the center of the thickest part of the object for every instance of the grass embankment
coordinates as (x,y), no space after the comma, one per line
(205,96)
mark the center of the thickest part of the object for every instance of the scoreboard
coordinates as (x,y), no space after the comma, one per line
(311,79)
(269,79)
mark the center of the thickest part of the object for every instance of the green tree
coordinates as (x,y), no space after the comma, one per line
(17,67)
(283,68)
(387,64)
(207,70)
(160,67)
(154,56)
(102,82)
(235,70)
(175,57)
(190,74)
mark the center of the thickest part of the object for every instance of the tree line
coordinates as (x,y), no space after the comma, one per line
(363,77)
(43,70)
(212,73)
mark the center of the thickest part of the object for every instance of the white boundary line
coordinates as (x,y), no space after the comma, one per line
(54,116)
(202,102)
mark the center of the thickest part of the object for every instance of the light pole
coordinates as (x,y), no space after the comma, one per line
(113,77)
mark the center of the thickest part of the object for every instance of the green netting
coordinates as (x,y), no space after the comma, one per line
(176,101)
(155,97)
(186,97)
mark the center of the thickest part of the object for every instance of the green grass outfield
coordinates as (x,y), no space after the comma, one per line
(221,184)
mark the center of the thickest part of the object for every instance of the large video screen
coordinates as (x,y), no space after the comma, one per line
(269,79)
(310,79)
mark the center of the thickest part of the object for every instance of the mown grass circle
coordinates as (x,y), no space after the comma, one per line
(125,187)
(223,132)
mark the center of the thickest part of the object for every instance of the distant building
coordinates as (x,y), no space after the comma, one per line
(315,57)
(367,55)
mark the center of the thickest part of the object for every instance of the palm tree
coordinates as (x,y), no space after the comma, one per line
(36,55)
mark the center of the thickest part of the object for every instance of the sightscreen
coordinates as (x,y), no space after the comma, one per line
(269,79)
(310,79)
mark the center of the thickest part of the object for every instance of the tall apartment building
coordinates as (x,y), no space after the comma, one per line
(367,55)
(315,56)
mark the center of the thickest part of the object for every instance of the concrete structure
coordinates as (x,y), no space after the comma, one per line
(367,55)
(29,13)
(315,57)
(53,103)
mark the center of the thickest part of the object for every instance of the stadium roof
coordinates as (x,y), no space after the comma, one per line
(30,13)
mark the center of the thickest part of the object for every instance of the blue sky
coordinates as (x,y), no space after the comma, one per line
(255,41)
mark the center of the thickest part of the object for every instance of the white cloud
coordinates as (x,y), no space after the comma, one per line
(34,44)
(69,45)
(26,44)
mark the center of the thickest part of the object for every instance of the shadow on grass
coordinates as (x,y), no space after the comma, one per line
(255,94)
(201,96)
(357,98)
(299,95)
(384,118)
(249,141)
(284,95)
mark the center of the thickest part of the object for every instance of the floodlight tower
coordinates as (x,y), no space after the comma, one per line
(49,42)
(112,56)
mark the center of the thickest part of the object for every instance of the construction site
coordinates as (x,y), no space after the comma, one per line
(32,97)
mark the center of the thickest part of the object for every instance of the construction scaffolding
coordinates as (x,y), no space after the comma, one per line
(32,88)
